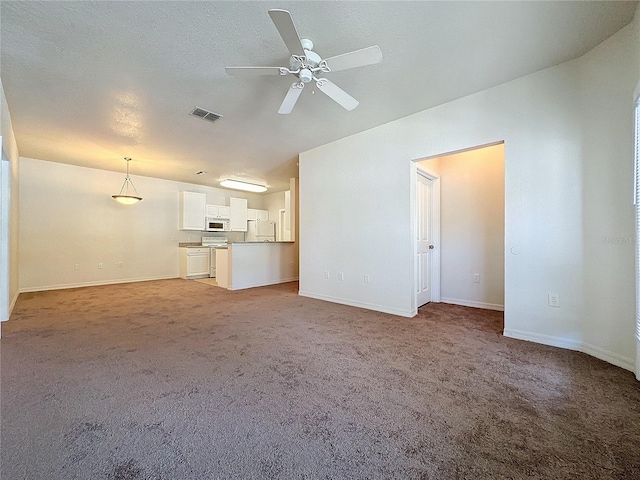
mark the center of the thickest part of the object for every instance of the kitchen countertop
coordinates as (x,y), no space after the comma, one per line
(199,244)
(259,243)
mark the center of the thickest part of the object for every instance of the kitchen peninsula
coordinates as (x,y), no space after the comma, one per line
(254,264)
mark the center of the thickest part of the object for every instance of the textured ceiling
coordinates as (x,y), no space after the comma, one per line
(89,83)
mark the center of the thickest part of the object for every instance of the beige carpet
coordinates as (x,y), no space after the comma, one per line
(177,380)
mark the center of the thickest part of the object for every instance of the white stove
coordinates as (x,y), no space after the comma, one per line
(213,242)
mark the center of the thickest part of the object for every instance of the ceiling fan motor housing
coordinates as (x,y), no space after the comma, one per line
(313,58)
(307,63)
(305,75)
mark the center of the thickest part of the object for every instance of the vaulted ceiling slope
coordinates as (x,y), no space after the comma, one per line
(89,83)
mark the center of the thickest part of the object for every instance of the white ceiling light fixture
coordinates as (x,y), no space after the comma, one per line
(124,196)
(238,185)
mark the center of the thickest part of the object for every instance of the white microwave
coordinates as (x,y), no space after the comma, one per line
(216,225)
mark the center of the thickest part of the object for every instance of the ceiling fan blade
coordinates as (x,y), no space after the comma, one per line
(284,23)
(357,58)
(291,98)
(337,94)
(251,71)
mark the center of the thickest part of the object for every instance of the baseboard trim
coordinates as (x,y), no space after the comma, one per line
(470,303)
(594,351)
(13,302)
(243,287)
(11,305)
(94,284)
(351,303)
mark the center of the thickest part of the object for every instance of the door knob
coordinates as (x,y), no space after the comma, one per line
(431,247)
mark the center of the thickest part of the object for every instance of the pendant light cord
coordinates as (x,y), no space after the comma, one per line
(127,181)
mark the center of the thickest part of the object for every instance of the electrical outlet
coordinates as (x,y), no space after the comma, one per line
(76,266)
(366,279)
(341,276)
(326,274)
(120,265)
(476,278)
(554,300)
(101,265)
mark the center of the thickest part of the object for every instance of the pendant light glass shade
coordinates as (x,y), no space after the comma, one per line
(124,196)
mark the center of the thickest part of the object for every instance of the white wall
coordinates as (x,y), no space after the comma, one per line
(636,28)
(608,75)
(357,195)
(9,212)
(472,226)
(258,264)
(294,208)
(5,263)
(360,190)
(636,96)
(68,217)
(14,227)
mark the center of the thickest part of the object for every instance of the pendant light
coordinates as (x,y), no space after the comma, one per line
(124,197)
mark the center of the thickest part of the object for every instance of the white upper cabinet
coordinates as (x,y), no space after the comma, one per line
(238,214)
(192,210)
(217,211)
(225,212)
(255,214)
(211,211)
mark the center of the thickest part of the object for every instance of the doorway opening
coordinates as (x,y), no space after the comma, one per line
(460,228)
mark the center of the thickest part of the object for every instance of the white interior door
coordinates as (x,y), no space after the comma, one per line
(424,192)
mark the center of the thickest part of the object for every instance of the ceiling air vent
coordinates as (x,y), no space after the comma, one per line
(205,114)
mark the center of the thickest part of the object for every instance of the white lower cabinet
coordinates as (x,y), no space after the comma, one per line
(194,262)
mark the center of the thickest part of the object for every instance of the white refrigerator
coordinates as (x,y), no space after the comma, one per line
(261,231)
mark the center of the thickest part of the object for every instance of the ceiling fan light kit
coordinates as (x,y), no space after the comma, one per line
(306,65)
(240,185)
(124,197)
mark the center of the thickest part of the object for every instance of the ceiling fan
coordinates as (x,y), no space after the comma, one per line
(306,65)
